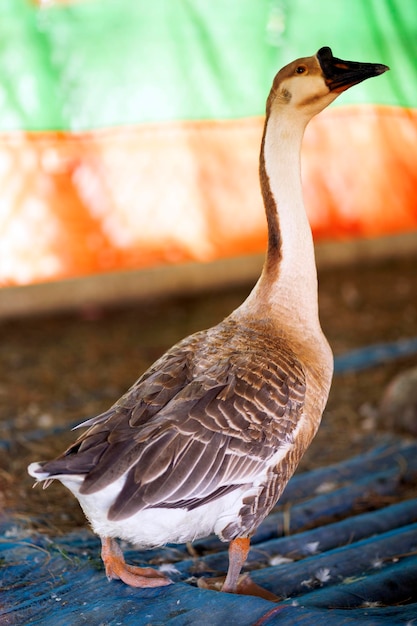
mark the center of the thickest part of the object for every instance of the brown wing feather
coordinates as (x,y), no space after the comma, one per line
(187,435)
(108,442)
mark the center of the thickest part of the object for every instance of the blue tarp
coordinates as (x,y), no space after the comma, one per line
(336,550)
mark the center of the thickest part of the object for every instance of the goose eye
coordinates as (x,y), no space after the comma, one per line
(301,69)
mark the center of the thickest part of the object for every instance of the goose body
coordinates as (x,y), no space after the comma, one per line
(206,440)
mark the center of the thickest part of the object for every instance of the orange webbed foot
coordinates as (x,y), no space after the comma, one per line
(245,586)
(117,568)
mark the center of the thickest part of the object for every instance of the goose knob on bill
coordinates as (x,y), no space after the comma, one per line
(206,439)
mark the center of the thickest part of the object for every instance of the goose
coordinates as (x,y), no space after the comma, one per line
(207,438)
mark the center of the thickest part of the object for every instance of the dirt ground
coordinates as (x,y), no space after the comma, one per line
(57,371)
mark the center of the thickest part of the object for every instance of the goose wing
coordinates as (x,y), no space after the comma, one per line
(183,439)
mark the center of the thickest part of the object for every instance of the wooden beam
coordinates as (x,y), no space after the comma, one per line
(126,287)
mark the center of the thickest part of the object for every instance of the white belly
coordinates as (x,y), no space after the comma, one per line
(156,527)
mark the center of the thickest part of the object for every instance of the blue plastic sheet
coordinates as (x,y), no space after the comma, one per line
(345,557)
(369,356)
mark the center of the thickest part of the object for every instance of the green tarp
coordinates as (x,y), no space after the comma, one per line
(99,63)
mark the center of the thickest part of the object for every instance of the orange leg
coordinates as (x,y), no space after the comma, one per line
(134,576)
(238,551)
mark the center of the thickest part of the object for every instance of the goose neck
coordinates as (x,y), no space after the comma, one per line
(289,276)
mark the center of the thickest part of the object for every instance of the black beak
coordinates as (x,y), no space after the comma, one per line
(340,75)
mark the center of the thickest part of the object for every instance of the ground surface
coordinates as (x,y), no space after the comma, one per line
(57,371)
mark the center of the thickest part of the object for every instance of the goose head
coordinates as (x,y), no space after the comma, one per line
(309,84)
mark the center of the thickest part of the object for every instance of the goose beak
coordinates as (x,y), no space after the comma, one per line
(340,75)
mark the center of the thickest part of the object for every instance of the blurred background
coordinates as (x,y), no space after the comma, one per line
(131,216)
(130,133)
(131,213)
